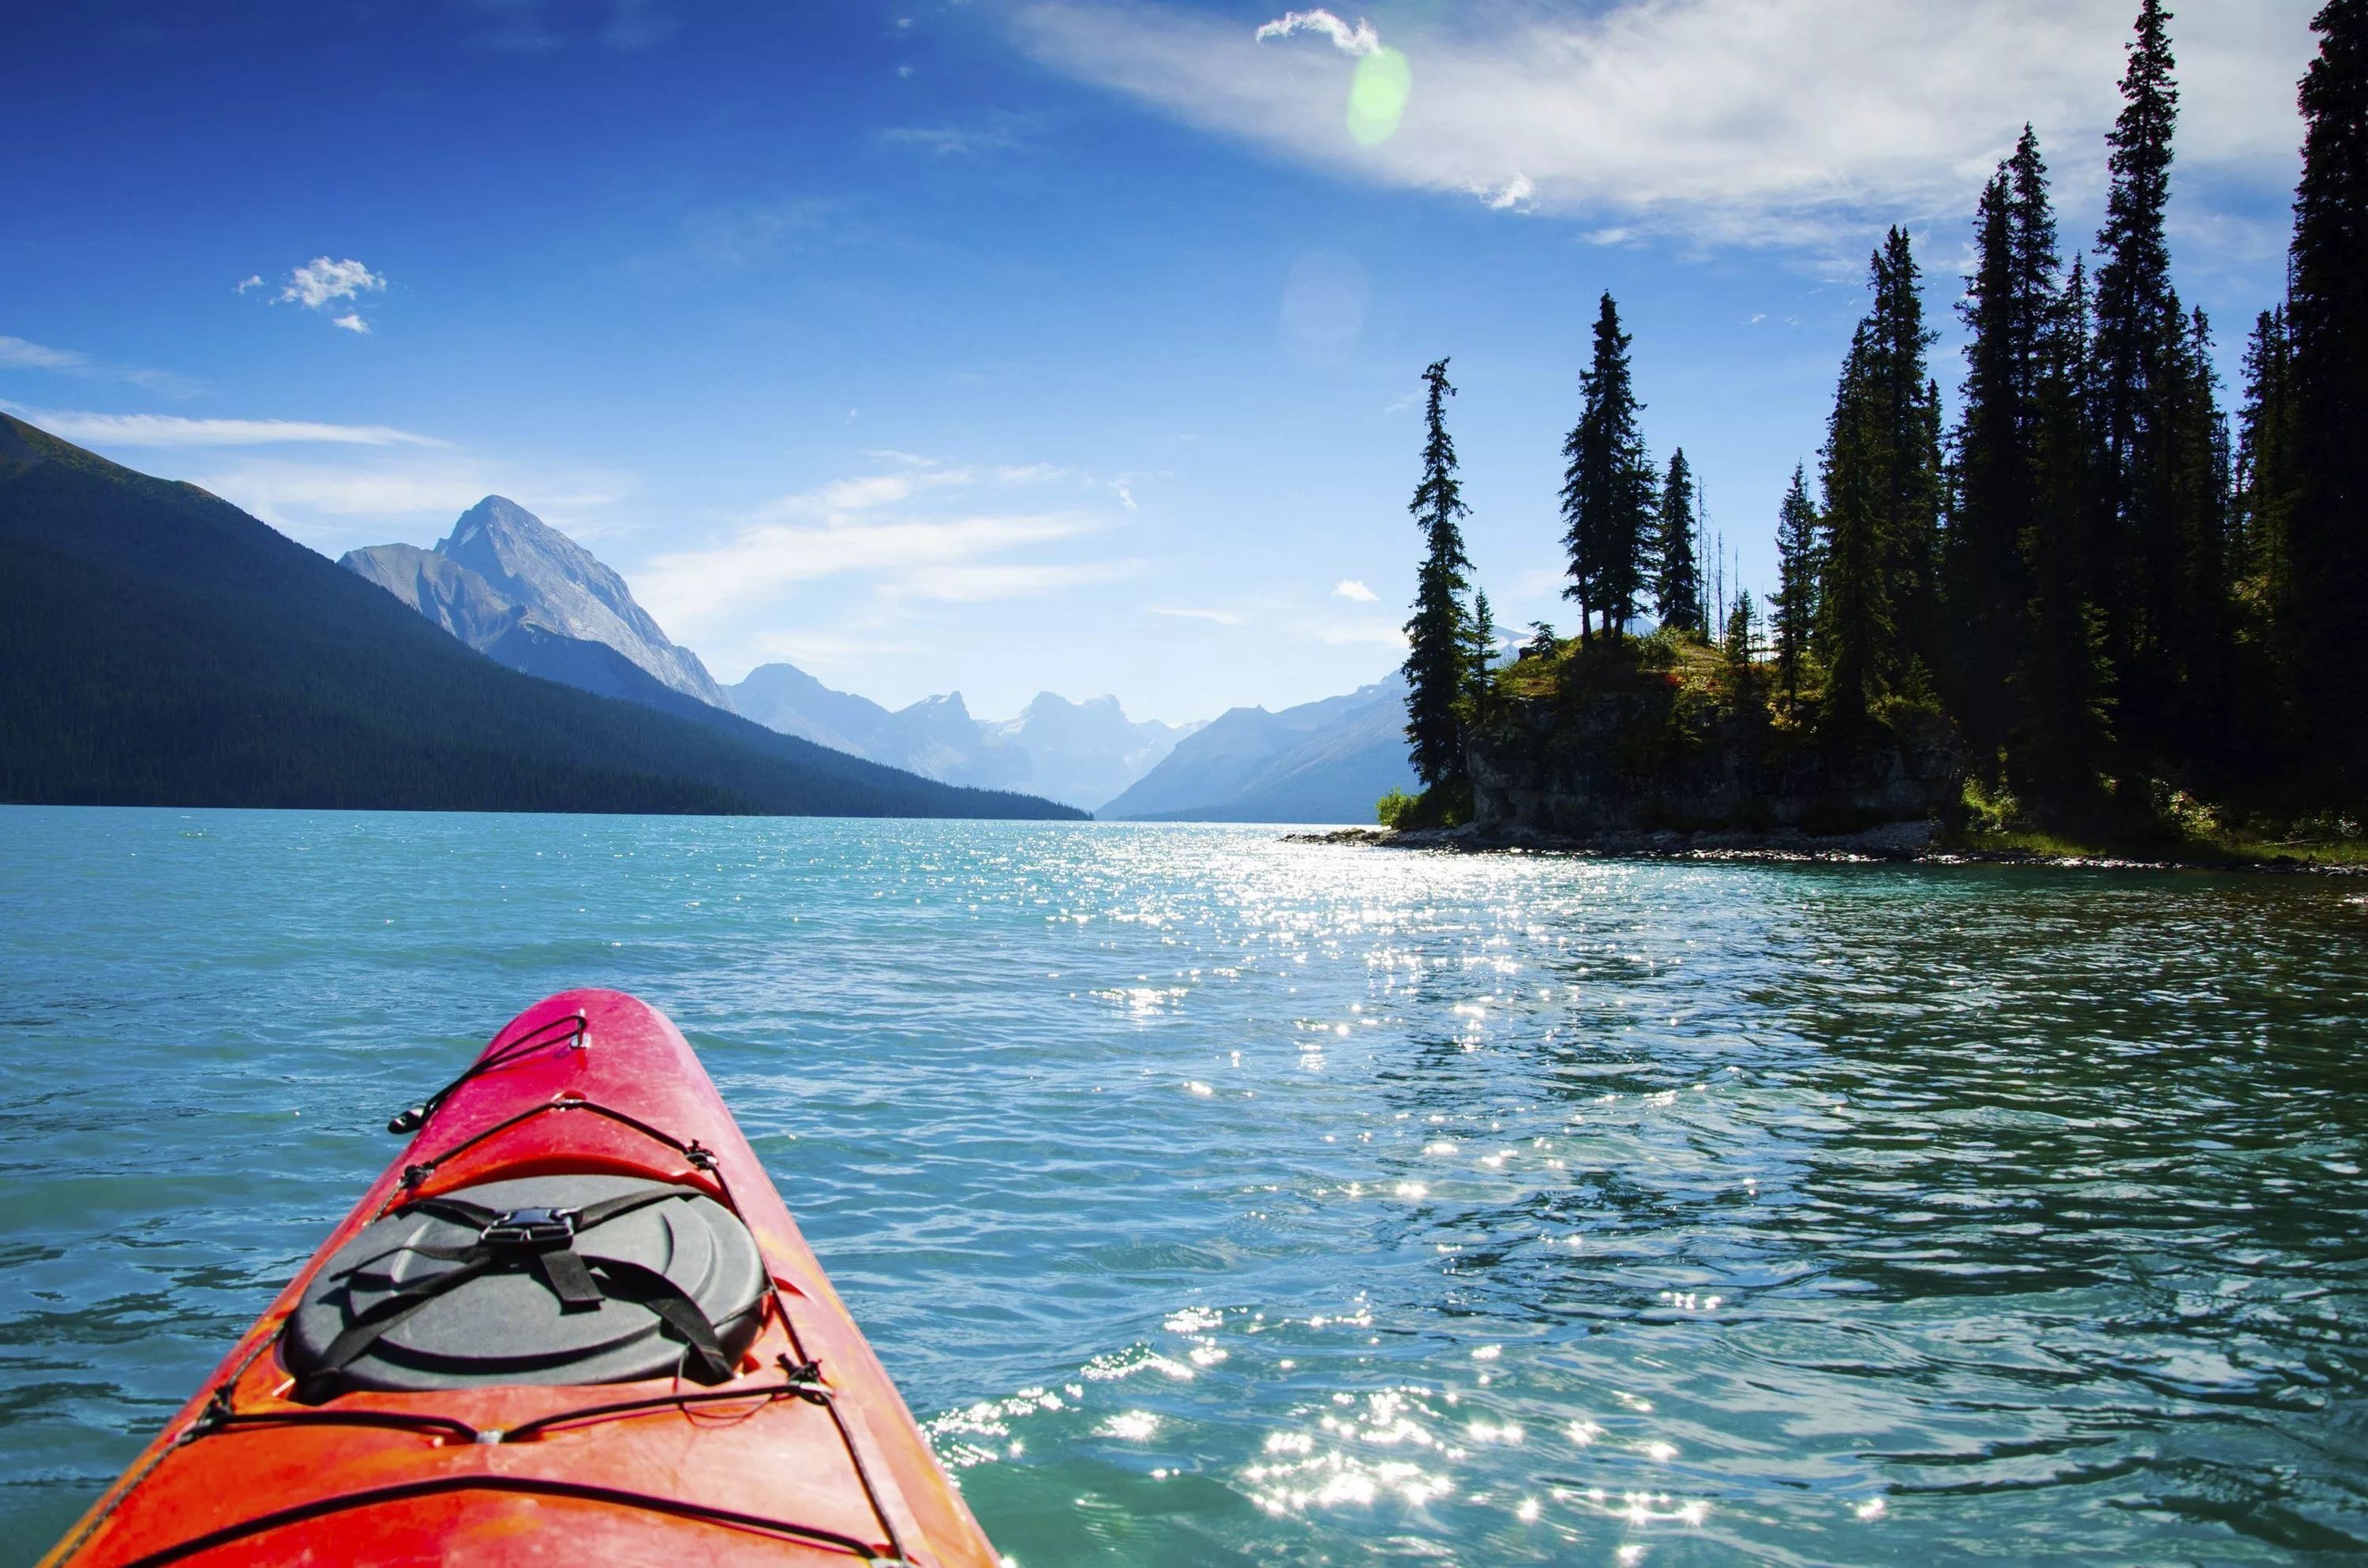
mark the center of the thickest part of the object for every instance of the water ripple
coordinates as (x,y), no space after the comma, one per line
(1220,1200)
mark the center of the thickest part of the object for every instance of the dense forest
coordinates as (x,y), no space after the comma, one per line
(2134,616)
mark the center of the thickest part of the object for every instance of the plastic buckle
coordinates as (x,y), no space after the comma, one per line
(532,1227)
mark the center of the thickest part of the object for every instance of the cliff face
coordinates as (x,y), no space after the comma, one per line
(1658,757)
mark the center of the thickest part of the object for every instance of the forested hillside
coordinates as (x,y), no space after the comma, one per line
(2135,614)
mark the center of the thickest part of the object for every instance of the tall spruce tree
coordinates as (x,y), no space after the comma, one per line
(1677,576)
(1907,401)
(1795,609)
(1607,493)
(1857,636)
(1439,635)
(1994,471)
(1481,654)
(1883,483)
(2060,689)
(2161,560)
(2328,527)
(2266,470)
(1742,635)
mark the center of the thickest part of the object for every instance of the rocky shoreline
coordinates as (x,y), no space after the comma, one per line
(1902,843)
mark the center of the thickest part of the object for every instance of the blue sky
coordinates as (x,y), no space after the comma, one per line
(1061,345)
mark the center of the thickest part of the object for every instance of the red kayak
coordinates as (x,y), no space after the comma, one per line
(573,1323)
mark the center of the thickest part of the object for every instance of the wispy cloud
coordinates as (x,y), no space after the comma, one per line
(1180,612)
(170,430)
(252,281)
(1348,633)
(865,493)
(1725,122)
(351,322)
(400,492)
(1349,588)
(758,562)
(997,132)
(1360,40)
(17,353)
(535,27)
(883,544)
(756,234)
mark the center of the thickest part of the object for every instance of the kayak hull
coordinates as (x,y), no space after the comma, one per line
(806,1453)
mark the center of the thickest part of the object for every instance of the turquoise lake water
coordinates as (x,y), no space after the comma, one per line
(1222,1200)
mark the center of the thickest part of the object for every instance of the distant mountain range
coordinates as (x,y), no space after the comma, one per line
(1080,753)
(162,647)
(525,594)
(167,648)
(1320,761)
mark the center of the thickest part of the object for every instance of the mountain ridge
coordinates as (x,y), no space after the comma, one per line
(1327,761)
(164,648)
(1079,753)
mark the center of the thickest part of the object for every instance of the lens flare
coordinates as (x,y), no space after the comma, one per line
(1377,95)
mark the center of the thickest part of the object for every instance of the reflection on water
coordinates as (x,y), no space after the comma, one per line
(1220,1201)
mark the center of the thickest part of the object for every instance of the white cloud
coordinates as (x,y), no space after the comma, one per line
(1727,121)
(891,455)
(1349,588)
(759,563)
(1222,617)
(977,582)
(964,140)
(1125,495)
(1515,195)
(398,492)
(18,354)
(1342,634)
(253,280)
(866,493)
(1031,473)
(351,322)
(1360,40)
(169,430)
(321,280)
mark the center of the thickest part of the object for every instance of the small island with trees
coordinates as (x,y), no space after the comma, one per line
(2084,617)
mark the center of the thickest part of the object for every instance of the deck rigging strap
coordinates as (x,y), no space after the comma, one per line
(575,1028)
(540,1242)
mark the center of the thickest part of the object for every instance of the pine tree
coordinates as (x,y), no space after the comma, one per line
(1742,629)
(2061,684)
(1796,613)
(1994,471)
(1857,638)
(1438,637)
(1607,493)
(1883,483)
(2166,630)
(1677,578)
(1482,653)
(2328,527)
(1909,404)
(2266,476)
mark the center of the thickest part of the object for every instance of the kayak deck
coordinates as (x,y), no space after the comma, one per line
(804,1452)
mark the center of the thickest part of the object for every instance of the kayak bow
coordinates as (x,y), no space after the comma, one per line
(573,1322)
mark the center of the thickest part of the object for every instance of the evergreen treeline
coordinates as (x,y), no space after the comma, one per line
(2112,595)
